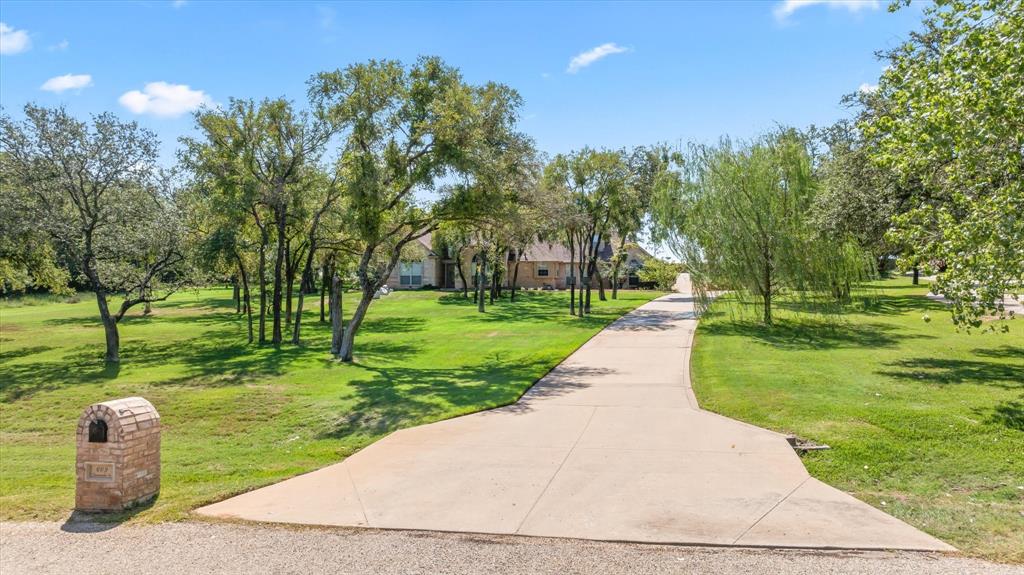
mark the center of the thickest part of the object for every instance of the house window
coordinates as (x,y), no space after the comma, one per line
(410,273)
(542,270)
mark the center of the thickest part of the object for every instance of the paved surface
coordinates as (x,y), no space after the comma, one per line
(192,548)
(610,445)
(1011,304)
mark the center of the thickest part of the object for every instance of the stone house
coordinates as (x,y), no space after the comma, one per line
(543,265)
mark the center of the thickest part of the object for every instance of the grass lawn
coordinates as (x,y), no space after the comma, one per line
(237,416)
(924,422)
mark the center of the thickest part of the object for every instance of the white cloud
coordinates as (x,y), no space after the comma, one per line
(163,99)
(13,41)
(866,88)
(178,3)
(584,59)
(59,84)
(59,46)
(786,7)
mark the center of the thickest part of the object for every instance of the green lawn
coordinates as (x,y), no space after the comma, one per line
(237,416)
(924,422)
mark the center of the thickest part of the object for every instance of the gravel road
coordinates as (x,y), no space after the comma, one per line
(199,547)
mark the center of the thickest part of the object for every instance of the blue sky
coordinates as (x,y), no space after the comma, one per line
(669,72)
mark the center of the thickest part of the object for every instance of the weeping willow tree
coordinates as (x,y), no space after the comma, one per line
(739,222)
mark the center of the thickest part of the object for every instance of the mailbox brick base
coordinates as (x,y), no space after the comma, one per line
(118,462)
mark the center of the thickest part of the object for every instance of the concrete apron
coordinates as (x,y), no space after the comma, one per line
(610,445)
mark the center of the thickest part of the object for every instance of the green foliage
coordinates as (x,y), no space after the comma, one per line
(924,423)
(949,116)
(856,198)
(661,273)
(406,128)
(741,221)
(94,191)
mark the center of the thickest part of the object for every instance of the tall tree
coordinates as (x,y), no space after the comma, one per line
(404,129)
(651,171)
(96,192)
(857,198)
(590,183)
(263,157)
(950,114)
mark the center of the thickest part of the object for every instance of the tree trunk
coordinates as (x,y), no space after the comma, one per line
(323,290)
(494,284)
(236,294)
(481,283)
(917,275)
(584,286)
(307,270)
(600,285)
(109,328)
(615,281)
(279,273)
(766,292)
(462,275)
(337,331)
(515,277)
(263,288)
(767,297)
(586,304)
(247,303)
(572,279)
(289,278)
(348,340)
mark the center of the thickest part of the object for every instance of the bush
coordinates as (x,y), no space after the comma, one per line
(660,273)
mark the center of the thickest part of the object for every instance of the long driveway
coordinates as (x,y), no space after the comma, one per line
(610,445)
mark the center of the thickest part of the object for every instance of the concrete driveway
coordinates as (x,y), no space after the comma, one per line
(610,445)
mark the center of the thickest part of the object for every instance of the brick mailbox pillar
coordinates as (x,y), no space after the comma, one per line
(118,461)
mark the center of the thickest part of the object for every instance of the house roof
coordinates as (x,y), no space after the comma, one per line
(425,241)
(546,252)
(556,252)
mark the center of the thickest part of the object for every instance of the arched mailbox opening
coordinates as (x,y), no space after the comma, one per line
(98,431)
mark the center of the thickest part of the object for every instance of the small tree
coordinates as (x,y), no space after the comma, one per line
(96,192)
(740,220)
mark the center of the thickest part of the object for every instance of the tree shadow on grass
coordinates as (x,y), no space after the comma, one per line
(1009,414)
(1003,352)
(863,304)
(391,398)
(6,356)
(20,380)
(535,307)
(810,333)
(392,325)
(956,371)
(220,357)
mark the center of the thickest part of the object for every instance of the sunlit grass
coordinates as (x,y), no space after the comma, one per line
(236,416)
(924,422)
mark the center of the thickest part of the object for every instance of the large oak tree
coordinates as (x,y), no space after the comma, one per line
(94,189)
